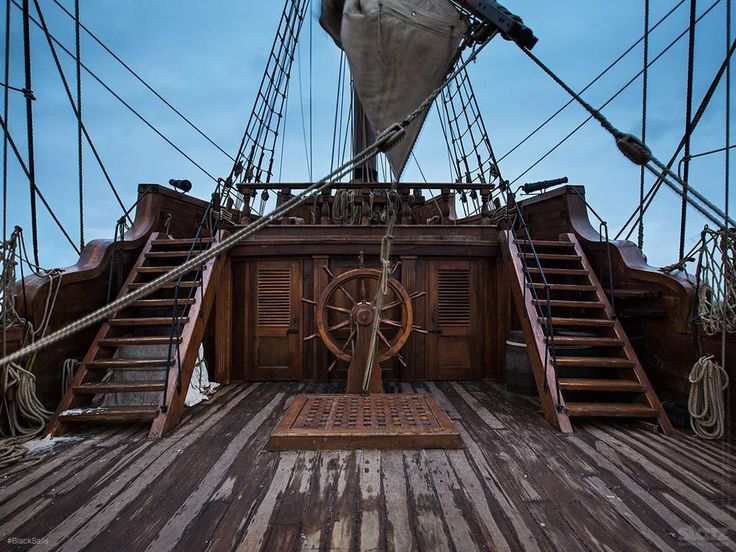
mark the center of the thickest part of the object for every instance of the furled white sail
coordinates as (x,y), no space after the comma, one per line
(399,52)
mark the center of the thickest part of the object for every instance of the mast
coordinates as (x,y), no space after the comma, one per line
(363,136)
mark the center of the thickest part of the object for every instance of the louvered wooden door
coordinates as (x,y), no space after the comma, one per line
(453,321)
(275,342)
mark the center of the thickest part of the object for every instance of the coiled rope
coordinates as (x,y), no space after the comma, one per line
(708,381)
(26,416)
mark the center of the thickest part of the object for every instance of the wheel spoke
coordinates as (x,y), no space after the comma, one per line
(391,305)
(347,342)
(338,326)
(362,288)
(350,297)
(338,309)
(392,323)
(383,338)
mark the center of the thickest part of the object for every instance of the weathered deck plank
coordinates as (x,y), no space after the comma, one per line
(516,485)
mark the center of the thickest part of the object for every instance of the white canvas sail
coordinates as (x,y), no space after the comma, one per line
(399,52)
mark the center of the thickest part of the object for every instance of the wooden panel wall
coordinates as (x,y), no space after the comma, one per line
(479,347)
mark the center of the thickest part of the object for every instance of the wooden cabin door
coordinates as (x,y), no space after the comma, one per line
(453,320)
(275,341)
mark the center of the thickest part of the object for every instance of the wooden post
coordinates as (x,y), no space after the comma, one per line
(445,205)
(223,325)
(325,211)
(485,211)
(319,351)
(365,207)
(245,217)
(405,207)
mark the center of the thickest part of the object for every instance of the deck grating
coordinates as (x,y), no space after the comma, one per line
(351,422)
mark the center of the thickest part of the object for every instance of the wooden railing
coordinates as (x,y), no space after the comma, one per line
(409,194)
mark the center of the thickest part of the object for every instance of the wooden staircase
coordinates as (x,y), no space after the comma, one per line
(583,362)
(121,343)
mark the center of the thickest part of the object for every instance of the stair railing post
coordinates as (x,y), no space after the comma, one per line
(549,342)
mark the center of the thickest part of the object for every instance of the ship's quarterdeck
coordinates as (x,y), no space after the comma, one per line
(517,484)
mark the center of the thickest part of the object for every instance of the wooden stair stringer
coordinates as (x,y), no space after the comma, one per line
(641,376)
(70,400)
(554,410)
(191,337)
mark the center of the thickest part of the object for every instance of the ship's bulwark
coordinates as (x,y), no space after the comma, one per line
(399,52)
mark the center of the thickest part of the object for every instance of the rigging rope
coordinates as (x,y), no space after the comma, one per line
(119,98)
(79,123)
(384,142)
(23,167)
(77,109)
(667,169)
(5,118)
(141,80)
(638,153)
(644,92)
(716,277)
(591,83)
(614,96)
(29,126)
(688,122)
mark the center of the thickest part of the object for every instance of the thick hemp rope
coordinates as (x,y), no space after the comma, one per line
(708,381)
(382,289)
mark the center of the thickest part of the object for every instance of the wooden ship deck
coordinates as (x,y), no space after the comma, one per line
(367,336)
(516,484)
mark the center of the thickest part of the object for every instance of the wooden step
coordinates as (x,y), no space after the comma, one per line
(146,322)
(123,341)
(157,303)
(119,387)
(559,271)
(127,364)
(545,243)
(594,362)
(570,304)
(179,253)
(610,410)
(144,413)
(565,287)
(551,257)
(160,269)
(587,384)
(168,285)
(581,322)
(562,341)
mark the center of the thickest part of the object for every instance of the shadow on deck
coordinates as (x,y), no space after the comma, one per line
(517,485)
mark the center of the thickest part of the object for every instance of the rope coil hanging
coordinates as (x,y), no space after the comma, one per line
(708,381)
(25,415)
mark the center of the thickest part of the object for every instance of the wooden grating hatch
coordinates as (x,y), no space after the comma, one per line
(375,421)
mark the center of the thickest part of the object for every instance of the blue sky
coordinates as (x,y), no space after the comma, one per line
(207,59)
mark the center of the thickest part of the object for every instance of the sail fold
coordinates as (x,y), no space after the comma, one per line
(399,52)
